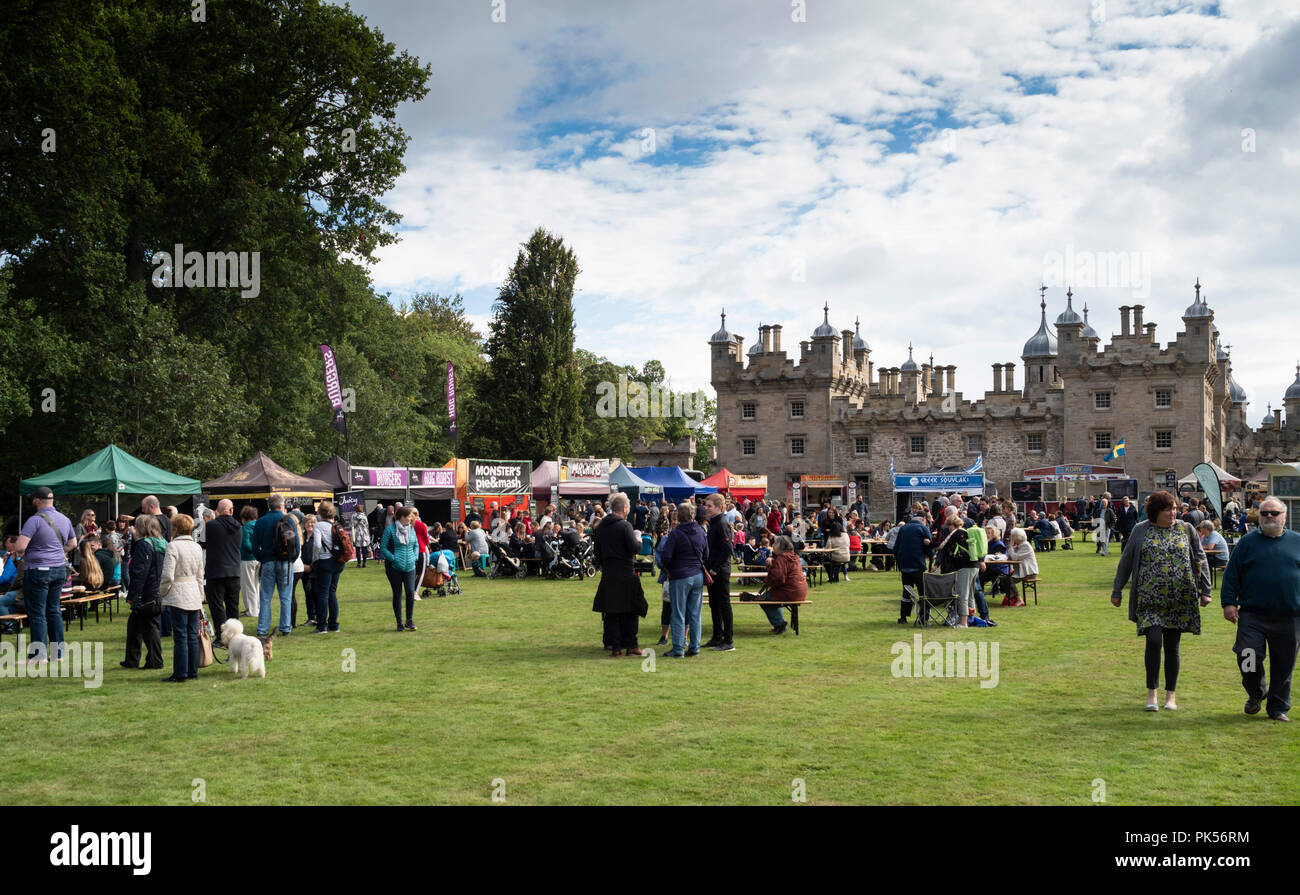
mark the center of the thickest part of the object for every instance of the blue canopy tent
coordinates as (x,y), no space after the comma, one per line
(633,485)
(677,485)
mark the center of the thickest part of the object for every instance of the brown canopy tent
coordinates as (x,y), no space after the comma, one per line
(261,477)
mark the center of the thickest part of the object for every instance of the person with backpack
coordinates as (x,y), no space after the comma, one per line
(954,558)
(148,550)
(275,543)
(330,543)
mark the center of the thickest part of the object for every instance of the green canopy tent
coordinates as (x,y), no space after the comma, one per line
(109,471)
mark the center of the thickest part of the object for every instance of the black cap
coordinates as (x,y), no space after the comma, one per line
(42,493)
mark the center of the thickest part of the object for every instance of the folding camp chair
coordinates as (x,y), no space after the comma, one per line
(936,600)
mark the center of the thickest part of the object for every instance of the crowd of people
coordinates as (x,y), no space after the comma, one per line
(168,563)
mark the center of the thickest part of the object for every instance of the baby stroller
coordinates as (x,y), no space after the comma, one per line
(502,564)
(435,580)
(568,556)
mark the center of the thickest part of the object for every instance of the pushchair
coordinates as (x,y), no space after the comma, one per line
(568,562)
(502,564)
(435,580)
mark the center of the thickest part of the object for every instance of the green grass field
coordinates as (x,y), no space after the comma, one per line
(507,682)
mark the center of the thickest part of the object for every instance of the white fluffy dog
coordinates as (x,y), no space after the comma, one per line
(246,653)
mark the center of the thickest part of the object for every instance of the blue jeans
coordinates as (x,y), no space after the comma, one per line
(981,605)
(275,574)
(686,595)
(185,641)
(325,588)
(774,615)
(41,590)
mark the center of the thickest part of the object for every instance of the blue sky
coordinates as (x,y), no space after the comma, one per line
(915,165)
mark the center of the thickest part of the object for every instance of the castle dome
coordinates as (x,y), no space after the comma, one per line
(1236,393)
(721,335)
(909,365)
(1198,308)
(1293,393)
(859,343)
(825,329)
(1069,315)
(1088,331)
(1043,342)
(757,347)
(1267,422)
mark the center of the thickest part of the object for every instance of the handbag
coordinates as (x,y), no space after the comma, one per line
(205,640)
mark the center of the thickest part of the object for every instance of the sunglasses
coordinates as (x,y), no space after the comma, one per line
(1270,512)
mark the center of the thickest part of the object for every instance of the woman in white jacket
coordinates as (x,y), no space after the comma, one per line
(181,590)
(1019,548)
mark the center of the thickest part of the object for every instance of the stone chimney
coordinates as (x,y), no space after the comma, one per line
(997,377)
(951,370)
(1123,320)
(766,332)
(1151,333)
(776,337)
(1137,320)
(846,345)
(1011,377)
(1277,419)
(927,377)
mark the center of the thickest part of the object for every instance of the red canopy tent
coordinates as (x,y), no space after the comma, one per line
(739,487)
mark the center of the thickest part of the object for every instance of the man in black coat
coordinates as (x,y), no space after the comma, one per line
(221,570)
(619,596)
(1126,516)
(718,563)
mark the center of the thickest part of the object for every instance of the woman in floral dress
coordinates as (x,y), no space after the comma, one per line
(1170,583)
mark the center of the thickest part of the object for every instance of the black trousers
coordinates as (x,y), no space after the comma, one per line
(620,630)
(143,628)
(223,600)
(1274,637)
(720,606)
(1157,638)
(917,580)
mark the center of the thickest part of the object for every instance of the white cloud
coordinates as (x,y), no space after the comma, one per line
(1138,150)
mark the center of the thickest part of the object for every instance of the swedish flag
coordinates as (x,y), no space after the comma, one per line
(1116,452)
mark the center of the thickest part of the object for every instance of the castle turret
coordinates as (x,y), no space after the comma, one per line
(1040,355)
(724,350)
(1198,321)
(1069,328)
(1291,402)
(910,379)
(825,342)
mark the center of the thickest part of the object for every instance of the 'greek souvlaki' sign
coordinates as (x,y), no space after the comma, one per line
(938,482)
(584,469)
(500,477)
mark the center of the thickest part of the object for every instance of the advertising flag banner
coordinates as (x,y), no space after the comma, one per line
(349,504)
(451,395)
(333,390)
(1208,479)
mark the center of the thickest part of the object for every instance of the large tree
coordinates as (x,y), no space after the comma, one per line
(127,127)
(529,402)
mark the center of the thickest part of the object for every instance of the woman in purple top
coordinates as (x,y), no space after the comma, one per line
(44,543)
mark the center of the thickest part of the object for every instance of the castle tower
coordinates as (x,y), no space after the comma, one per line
(1198,322)
(1291,401)
(724,350)
(910,379)
(1069,329)
(1040,355)
(825,344)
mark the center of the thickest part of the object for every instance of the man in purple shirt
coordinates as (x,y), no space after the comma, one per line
(44,544)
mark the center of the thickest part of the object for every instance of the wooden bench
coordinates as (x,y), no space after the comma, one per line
(6,619)
(1028,583)
(78,603)
(792,605)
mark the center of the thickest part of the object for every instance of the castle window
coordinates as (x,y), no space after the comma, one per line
(974,444)
(748,410)
(1034,442)
(796,447)
(918,444)
(748,447)
(1164,398)
(1101,401)
(1101,440)
(1164,439)
(861,446)
(796,410)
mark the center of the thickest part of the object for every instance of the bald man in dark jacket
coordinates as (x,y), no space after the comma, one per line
(619,596)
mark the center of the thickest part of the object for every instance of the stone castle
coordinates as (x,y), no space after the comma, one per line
(838,415)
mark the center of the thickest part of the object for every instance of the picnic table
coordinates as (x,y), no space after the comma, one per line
(792,605)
